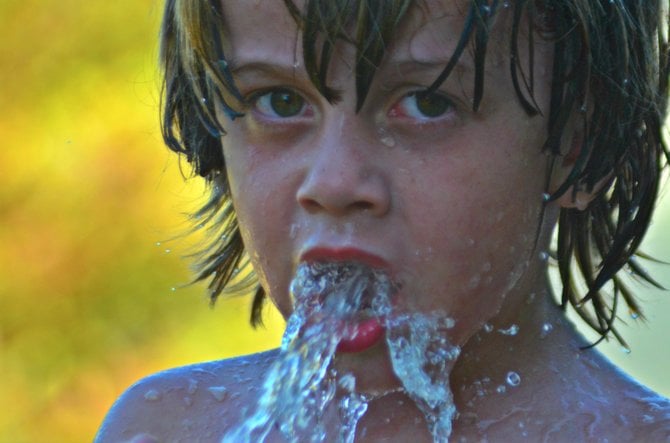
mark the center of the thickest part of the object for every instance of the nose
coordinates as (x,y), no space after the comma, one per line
(343,176)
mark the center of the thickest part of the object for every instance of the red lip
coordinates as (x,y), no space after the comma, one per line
(367,334)
(348,254)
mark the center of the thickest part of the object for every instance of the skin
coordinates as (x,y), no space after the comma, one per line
(451,204)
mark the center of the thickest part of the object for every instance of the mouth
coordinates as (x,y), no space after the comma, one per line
(351,287)
(344,255)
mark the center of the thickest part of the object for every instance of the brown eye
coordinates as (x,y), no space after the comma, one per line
(432,105)
(280,103)
(423,106)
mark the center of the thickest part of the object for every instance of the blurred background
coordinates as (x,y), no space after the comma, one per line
(93,217)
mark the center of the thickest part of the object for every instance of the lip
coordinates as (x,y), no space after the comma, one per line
(366,333)
(344,254)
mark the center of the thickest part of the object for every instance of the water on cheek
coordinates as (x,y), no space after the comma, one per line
(386,138)
(302,385)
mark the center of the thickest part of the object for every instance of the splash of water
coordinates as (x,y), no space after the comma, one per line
(301,383)
(422,358)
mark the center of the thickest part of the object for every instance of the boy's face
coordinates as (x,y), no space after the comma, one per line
(447,199)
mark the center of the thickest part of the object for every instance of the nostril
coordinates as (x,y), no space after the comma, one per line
(361,205)
(310,205)
(313,205)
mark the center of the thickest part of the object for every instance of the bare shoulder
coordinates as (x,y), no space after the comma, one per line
(190,403)
(650,417)
(639,413)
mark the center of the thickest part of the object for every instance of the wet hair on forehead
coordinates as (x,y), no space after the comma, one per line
(609,74)
(371,26)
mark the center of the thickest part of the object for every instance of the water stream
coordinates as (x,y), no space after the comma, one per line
(302,383)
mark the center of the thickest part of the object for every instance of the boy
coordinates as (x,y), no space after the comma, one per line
(438,142)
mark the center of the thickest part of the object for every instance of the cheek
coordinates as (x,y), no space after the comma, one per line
(476,240)
(261,197)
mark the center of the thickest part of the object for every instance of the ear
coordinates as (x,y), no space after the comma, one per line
(573,198)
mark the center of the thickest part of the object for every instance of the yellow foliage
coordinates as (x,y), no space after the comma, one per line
(88,193)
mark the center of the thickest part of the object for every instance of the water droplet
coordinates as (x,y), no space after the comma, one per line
(544,256)
(167,251)
(293,231)
(488,327)
(625,349)
(347,382)
(513,379)
(474,281)
(512,330)
(501,389)
(187,424)
(546,330)
(506,4)
(192,386)
(153,395)
(647,419)
(388,141)
(583,108)
(634,315)
(173,289)
(158,243)
(218,392)
(144,438)
(546,197)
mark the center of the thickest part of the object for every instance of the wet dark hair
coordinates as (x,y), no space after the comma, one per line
(610,72)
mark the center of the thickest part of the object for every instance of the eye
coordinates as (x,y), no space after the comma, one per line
(422,106)
(280,103)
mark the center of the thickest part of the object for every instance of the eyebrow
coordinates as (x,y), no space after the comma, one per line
(257,64)
(276,71)
(426,71)
(409,64)
(401,64)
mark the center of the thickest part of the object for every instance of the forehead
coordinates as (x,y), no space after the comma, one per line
(259,30)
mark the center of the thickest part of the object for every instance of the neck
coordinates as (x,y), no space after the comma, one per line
(513,356)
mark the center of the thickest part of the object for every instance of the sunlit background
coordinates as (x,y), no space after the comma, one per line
(93,208)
